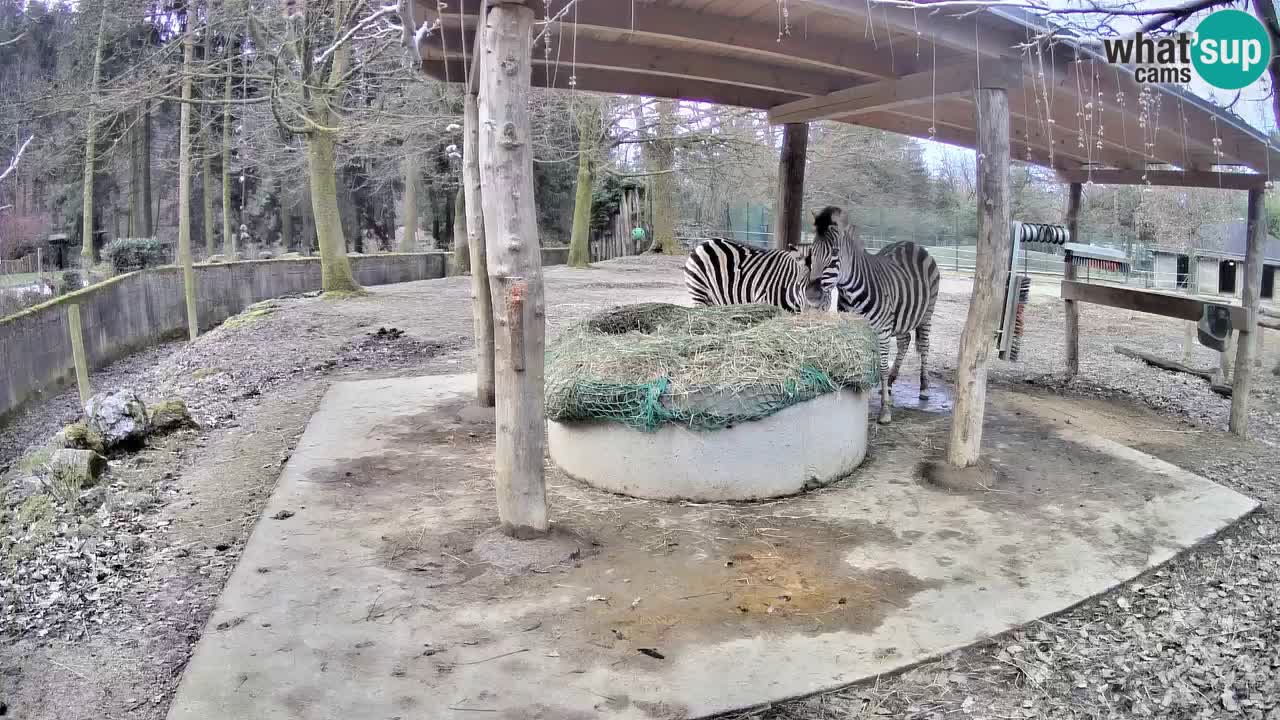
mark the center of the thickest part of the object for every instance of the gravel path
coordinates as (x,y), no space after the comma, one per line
(1198,638)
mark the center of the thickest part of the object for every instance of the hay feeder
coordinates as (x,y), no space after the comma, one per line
(742,402)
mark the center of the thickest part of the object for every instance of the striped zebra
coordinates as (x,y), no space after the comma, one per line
(723,272)
(895,290)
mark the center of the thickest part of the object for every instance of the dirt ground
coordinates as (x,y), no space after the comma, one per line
(1198,638)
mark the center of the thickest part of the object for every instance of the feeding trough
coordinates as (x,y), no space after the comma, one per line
(718,403)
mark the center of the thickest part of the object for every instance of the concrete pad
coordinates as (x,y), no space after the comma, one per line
(389,593)
(802,447)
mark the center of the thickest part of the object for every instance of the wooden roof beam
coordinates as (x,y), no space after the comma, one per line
(955,28)
(631,57)
(898,92)
(1167,178)
(699,31)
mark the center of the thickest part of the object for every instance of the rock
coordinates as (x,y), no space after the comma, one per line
(78,436)
(265,255)
(94,497)
(169,415)
(120,417)
(81,468)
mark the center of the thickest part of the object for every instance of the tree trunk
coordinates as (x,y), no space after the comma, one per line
(184,190)
(286,222)
(1070,307)
(206,191)
(990,271)
(481,300)
(335,268)
(147,227)
(461,256)
(588,121)
(1249,298)
(449,212)
(409,207)
(788,218)
(515,269)
(87,253)
(136,211)
(664,183)
(228,232)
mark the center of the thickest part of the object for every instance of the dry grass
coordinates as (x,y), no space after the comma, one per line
(706,367)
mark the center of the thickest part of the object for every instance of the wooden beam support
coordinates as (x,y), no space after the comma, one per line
(515,268)
(625,83)
(1181,307)
(651,23)
(631,56)
(1168,178)
(1069,272)
(991,267)
(1249,298)
(897,92)
(788,215)
(481,298)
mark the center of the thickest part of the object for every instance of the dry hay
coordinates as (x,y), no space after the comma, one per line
(706,368)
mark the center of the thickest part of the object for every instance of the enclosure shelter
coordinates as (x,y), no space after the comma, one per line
(998,80)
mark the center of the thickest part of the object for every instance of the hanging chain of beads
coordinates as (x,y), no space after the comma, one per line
(784,20)
(573,63)
(933,98)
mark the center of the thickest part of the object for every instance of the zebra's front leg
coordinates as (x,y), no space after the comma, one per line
(904,342)
(922,347)
(886,398)
(833,305)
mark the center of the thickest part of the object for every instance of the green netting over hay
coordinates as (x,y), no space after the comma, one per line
(705,368)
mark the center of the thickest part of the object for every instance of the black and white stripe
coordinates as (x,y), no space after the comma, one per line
(723,272)
(895,290)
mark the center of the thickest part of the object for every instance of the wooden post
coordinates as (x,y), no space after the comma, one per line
(78,354)
(991,265)
(787,219)
(1249,298)
(1258,337)
(1188,341)
(515,266)
(481,299)
(1070,307)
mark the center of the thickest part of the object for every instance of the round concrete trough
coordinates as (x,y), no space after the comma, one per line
(802,447)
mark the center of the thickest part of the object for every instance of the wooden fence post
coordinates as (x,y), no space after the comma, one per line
(787,215)
(1070,307)
(515,266)
(1249,298)
(991,264)
(79,358)
(481,298)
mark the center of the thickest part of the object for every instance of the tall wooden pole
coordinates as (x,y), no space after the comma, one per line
(1249,297)
(990,269)
(184,192)
(481,299)
(515,266)
(1069,273)
(788,218)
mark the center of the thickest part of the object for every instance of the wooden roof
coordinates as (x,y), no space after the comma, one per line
(895,69)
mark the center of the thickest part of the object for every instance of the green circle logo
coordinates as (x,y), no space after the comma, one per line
(1232,49)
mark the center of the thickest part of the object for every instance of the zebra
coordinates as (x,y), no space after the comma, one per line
(895,290)
(723,272)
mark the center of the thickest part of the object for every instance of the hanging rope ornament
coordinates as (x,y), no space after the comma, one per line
(784,20)
(573,61)
(933,97)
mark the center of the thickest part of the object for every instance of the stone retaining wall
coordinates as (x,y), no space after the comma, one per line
(139,309)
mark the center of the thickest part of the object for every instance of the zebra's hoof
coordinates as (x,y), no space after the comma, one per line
(885,417)
(924,395)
